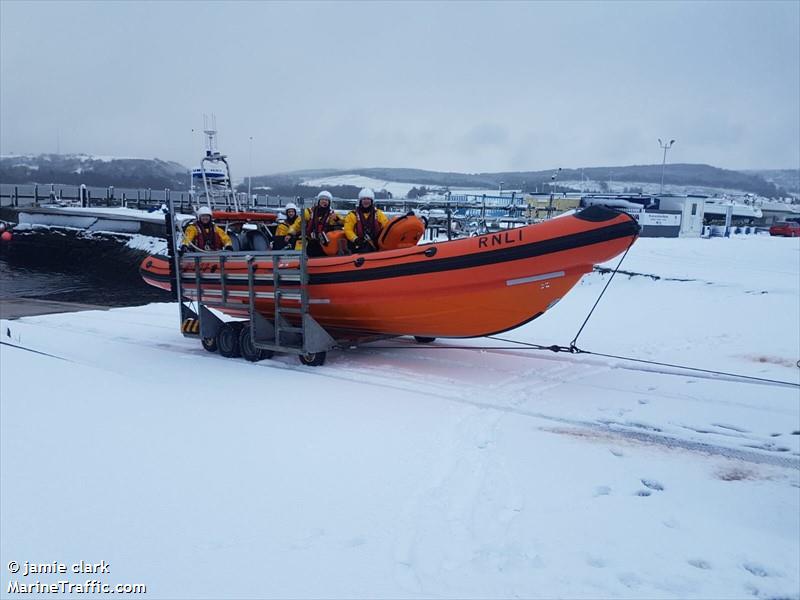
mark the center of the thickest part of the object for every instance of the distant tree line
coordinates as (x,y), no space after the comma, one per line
(144,180)
(417,192)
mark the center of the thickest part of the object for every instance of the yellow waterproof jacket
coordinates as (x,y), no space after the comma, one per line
(351,224)
(285,228)
(192,233)
(333,221)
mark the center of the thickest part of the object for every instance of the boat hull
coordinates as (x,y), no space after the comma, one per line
(464,288)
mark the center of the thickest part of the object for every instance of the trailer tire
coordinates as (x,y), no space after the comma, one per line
(228,339)
(209,344)
(248,349)
(424,340)
(313,359)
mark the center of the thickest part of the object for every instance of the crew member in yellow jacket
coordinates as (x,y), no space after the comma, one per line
(320,220)
(363,225)
(288,230)
(203,234)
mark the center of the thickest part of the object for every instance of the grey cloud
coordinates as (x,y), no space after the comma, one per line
(471,86)
(488,134)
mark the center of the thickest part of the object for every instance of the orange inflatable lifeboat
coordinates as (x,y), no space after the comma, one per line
(461,288)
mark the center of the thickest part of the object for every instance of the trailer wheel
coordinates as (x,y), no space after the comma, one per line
(228,339)
(424,340)
(248,348)
(209,344)
(313,359)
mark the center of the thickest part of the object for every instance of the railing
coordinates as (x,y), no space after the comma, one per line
(25,195)
(458,206)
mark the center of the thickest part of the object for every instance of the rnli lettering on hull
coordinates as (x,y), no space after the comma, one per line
(500,239)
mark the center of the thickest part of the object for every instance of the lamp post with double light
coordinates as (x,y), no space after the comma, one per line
(665,147)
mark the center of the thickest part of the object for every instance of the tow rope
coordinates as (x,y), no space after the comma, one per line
(573,344)
(574,349)
(34,351)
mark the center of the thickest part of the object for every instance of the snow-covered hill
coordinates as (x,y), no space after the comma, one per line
(420,472)
(788,179)
(92,170)
(395,188)
(682,178)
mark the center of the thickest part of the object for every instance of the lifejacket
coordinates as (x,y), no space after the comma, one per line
(369,224)
(318,221)
(207,237)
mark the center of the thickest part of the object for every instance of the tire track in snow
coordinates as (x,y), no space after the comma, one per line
(458,516)
(618,430)
(444,389)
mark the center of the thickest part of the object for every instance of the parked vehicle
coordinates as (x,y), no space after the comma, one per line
(786,229)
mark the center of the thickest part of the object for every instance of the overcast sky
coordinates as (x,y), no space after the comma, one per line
(443,86)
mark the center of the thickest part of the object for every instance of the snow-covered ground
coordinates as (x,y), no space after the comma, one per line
(147,243)
(426,472)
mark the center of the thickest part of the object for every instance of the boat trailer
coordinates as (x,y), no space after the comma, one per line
(288,330)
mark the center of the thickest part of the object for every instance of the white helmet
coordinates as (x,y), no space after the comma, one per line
(291,206)
(366,193)
(325,194)
(203,210)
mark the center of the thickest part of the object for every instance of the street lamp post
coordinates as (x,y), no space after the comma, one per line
(250,172)
(552,186)
(191,177)
(665,147)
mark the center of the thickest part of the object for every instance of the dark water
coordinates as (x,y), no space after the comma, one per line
(66,267)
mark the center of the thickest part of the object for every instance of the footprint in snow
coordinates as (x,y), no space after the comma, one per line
(602,490)
(616,452)
(629,580)
(671,524)
(759,570)
(355,542)
(652,484)
(699,563)
(596,562)
(731,427)
(756,593)
(768,446)
(643,493)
